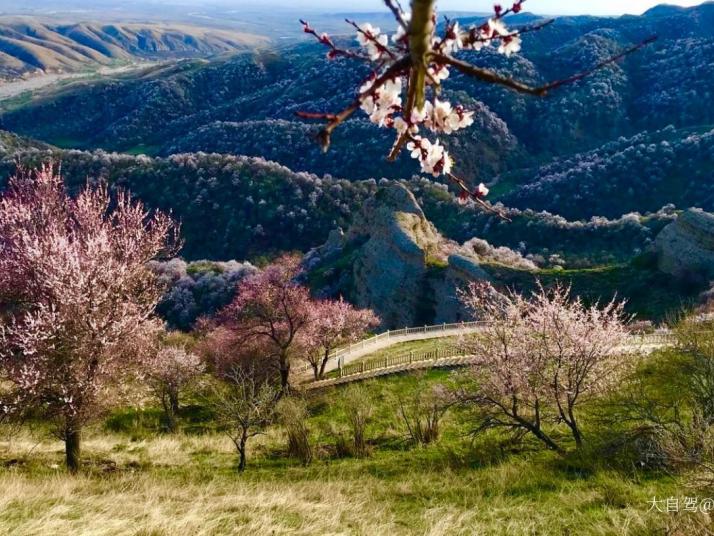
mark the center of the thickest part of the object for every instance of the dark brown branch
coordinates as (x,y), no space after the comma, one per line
(494,78)
(398,68)
(487,75)
(398,146)
(396,9)
(605,63)
(488,207)
(327,41)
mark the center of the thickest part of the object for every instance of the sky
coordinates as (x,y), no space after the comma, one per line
(546,7)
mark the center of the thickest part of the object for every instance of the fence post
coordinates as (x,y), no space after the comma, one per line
(436,353)
(411,356)
(361,367)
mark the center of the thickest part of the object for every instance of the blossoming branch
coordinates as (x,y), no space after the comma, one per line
(403,91)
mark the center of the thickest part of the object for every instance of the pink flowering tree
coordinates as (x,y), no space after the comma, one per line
(541,357)
(333,323)
(409,70)
(269,315)
(169,372)
(76,297)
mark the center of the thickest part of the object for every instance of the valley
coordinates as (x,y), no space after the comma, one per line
(224,309)
(28,87)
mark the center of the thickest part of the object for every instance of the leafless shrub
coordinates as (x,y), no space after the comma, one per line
(244,406)
(292,414)
(358,409)
(422,413)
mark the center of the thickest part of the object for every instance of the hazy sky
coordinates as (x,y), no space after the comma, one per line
(565,7)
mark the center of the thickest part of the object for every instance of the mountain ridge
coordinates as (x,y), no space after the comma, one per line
(30,46)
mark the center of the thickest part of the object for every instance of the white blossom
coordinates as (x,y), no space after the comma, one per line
(433,157)
(510,45)
(447,119)
(372,40)
(482,190)
(438,73)
(453,43)
(401,31)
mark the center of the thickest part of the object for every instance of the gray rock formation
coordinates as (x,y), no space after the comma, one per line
(393,260)
(685,248)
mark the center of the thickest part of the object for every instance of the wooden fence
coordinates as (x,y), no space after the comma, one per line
(448,356)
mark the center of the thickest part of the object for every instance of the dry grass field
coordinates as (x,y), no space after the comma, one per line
(139,481)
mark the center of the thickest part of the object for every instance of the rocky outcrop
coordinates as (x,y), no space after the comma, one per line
(393,260)
(685,247)
(399,241)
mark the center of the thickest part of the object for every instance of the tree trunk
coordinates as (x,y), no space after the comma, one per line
(420,31)
(174,398)
(72,447)
(168,403)
(241,452)
(323,365)
(547,440)
(536,430)
(284,374)
(572,423)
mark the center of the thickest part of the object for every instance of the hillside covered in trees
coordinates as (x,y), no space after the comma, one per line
(235,207)
(246,105)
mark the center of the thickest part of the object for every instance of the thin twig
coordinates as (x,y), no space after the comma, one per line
(380,46)
(605,63)
(398,68)
(488,76)
(494,78)
(396,9)
(327,41)
(488,207)
(471,37)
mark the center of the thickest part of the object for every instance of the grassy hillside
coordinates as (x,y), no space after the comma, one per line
(138,481)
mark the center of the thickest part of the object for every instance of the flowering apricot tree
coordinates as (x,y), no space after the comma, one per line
(541,357)
(409,69)
(269,314)
(274,318)
(333,323)
(170,371)
(76,296)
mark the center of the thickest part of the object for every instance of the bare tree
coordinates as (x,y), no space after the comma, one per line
(169,372)
(245,404)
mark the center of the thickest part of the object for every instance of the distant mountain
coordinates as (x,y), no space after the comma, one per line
(246,104)
(29,45)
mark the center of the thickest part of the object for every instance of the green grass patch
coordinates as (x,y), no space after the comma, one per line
(157,483)
(649,293)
